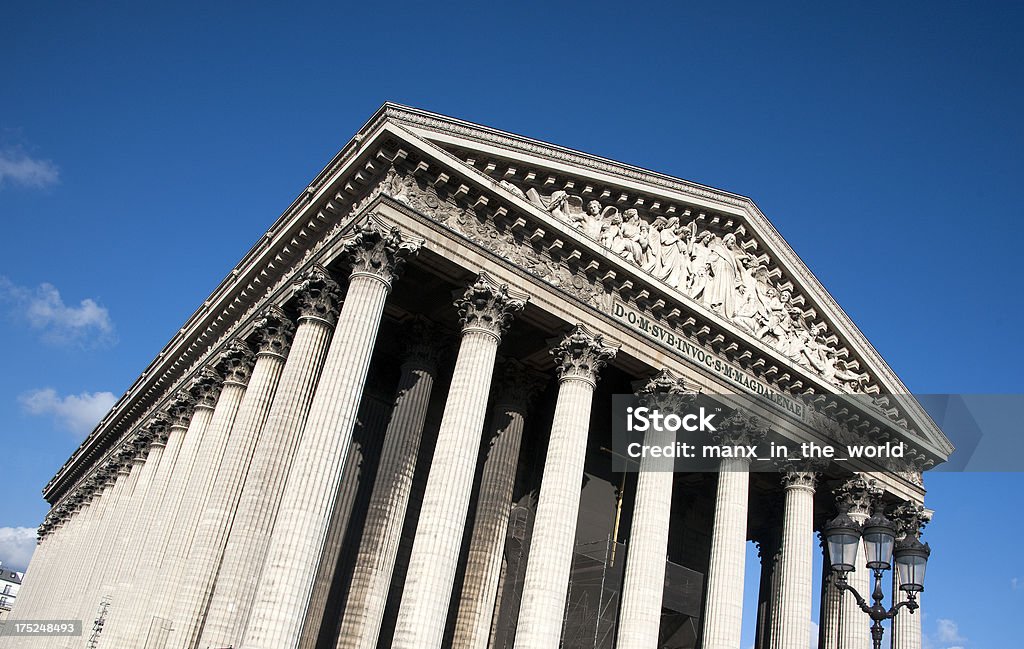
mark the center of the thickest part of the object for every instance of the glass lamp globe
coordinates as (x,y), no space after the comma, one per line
(911,561)
(842,535)
(879,537)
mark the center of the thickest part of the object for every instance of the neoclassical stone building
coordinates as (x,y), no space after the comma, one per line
(389,426)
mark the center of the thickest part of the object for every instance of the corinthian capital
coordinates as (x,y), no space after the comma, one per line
(235,362)
(909,518)
(274,331)
(488,306)
(582,355)
(856,495)
(379,251)
(740,428)
(160,428)
(206,387)
(179,412)
(665,390)
(799,479)
(126,456)
(318,296)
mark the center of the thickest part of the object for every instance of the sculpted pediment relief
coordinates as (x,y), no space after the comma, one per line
(714,251)
(711,267)
(711,262)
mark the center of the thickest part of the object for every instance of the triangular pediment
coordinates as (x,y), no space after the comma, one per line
(712,250)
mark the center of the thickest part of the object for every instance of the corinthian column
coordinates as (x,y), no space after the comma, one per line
(910,519)
(723,614)
(235,365)
(101,556)
(206,389)
(318,299)
(76,576)
(516,386)
(290,567)
(149,450)
(579,358)
(855,498)
(382,532)
(644,582)
(273,336)
(486,311)
(791,621)
(141,550)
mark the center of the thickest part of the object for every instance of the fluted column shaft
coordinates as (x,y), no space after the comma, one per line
(791,621)
(300,531)
(494,505)
(76,573)
(378,548)
(146,466)
(831,606)
(135,624)
(644,580)
(435,550)
(113,519)
(216,519)
(486,310)
(302,522)
(580,357)
(51,573)
(724,605)
(203,480)
(554,528)
(141,546)
(363,454)
(260,500)
(906,626)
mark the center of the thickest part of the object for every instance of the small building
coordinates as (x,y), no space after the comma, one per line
(10,582)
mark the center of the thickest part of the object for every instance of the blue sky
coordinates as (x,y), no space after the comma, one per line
(143,150)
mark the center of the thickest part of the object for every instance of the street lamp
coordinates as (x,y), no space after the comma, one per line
(843,536)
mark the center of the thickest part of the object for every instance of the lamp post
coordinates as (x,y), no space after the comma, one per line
(843,536)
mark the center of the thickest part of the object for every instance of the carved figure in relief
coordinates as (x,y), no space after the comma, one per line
(748,310)
(649,253)
(714,271)
(724,269)
(836,372)
(593,220)
(611,237)
(631,236)
(700,258)
(561,204)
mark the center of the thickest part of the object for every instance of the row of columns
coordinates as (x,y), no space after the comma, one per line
(231,491)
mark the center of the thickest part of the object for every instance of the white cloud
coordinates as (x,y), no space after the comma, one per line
(77,413)
(17,168)
(16,547)
(946,636)
(44,310)
(814,635)
(1015,584)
